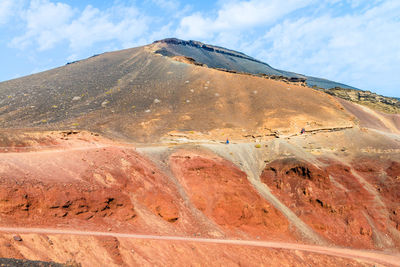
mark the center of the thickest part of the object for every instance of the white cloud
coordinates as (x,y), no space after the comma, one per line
(45,15)
(360,49)
(356,3)
(195,26)
(237,16)
(95,26)
(48,24)
(166,31)
(8,8)
(170,5)
(5,10)
(45,23)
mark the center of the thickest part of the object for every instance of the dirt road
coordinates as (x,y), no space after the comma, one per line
(363,255)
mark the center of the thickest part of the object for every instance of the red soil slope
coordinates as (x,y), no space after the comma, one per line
(222,192)
(105,185)
(82,181)
(94,185)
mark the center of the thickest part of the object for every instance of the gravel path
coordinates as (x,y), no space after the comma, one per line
(363,255)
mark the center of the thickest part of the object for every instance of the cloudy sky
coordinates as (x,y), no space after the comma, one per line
(356,42)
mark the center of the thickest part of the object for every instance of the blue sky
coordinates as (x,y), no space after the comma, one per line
(356,42)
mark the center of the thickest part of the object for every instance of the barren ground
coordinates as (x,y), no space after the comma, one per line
(180,194)
(120,159)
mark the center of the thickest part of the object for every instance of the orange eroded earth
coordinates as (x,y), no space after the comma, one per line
(81,181)
(221,191)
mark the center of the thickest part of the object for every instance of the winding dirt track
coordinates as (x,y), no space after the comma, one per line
(363,255)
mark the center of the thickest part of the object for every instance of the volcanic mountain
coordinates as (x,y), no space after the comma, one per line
(120,159)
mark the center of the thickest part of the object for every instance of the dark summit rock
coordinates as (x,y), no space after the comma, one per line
(236,62)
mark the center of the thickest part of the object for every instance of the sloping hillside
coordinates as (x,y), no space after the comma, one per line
(122,159)
(139,95)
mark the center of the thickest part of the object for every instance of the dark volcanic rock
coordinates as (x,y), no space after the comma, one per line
(17,238)
(7,262)
(226,59)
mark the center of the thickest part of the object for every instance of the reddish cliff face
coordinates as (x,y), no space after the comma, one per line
(48,204)
(347,204)
(384,178)
(222,192)
(93,184)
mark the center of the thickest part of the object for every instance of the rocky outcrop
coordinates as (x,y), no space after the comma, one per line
(367,98)
(299,80)
(9,262)
(60,202)
(328,199)
(384,178)
(209,48)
